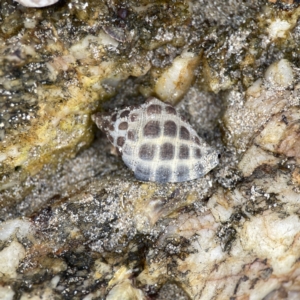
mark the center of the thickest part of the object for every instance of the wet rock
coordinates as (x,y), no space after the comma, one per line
(83,227)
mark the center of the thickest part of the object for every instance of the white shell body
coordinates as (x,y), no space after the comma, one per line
(36,3)
(157,144)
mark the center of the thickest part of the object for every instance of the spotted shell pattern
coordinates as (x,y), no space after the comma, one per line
(156,143)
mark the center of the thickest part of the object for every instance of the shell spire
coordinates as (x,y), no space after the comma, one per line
(156,143)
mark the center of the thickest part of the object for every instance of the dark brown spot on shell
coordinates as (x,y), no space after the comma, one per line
(166,151)
(151,99)
(131,134)
(182,118)
(170,110)
(153,109)
(182,173)
(184,133)
(197,140)
(134,117)
(123,126)
(147,152)
(111,127)
(103,123)
(163,174)
(120,141)
(198,153)
(184,152)
(114,117)
(152,129)
(142,172)
(124,114)
(170,128)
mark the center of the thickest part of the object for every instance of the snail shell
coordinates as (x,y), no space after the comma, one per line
(36,3)
(156,143)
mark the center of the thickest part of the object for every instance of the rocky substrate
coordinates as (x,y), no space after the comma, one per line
(76,224)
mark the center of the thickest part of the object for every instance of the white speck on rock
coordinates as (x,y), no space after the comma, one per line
(19,227)
(280,74)
(54,281)
(278,29)
(10,258)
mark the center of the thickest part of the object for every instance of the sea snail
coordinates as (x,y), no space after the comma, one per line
(156,143)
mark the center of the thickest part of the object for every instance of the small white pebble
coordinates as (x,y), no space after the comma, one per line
(10,258)
(54,281)
(20,227)
(280,74)
(175,80)
(29,23)
(278,29)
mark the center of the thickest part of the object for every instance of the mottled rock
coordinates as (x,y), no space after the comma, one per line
(83,227)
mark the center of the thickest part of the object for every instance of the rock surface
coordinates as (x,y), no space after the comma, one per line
(76,224)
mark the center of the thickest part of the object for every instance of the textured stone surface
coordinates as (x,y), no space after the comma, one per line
(83,227)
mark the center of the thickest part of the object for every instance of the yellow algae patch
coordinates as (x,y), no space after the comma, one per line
(59,126)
